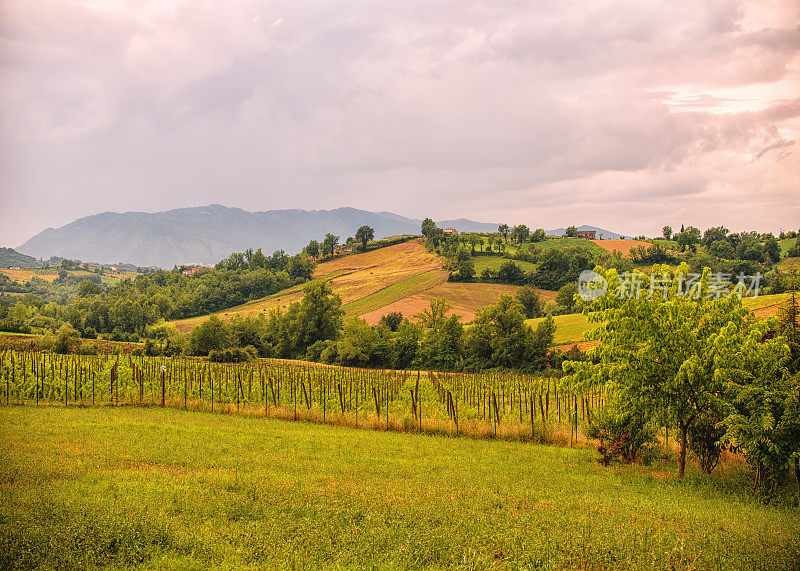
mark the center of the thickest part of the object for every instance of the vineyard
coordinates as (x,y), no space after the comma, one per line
(496,405)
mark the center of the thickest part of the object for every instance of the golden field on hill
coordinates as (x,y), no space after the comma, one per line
(404,278)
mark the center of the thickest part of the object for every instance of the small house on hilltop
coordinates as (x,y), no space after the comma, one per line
(192,271)
(451,231)
(587,234)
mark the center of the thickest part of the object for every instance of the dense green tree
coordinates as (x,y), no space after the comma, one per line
(433,316)
(88,288)
(666,231)
(714,234)
(520,234)
(462,267)
(248,331)
(503,229)
(659,353)
(571,232)
(67,339)
(772,250)
(329,244)
(318,317)
(530,301)
(364,235)
(164,339)
(722,249)
(405,346)
(312,249)
(511,273)
(499,337)
(361,344)
(566,296)
(428,227)
(443,347)
(559,267)
(538,235)
(749,247)
(211,335)
(391,320)
(764,400)
(688,238)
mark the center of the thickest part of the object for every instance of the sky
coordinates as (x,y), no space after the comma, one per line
(624,115)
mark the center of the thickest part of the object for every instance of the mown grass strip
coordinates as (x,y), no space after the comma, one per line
(397,291)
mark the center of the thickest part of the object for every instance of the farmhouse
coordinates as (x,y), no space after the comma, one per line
(451,231)
(587,234)
(191,271)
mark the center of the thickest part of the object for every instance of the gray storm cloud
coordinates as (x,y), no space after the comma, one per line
(624,115)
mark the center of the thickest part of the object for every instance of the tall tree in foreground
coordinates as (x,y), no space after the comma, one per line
(318,317)
(762,375)
(659,351)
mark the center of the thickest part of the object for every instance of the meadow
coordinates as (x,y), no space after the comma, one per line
(164,488)
(51,274)
(570,328)
(493,263)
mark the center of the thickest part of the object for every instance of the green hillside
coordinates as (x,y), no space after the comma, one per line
(9,257)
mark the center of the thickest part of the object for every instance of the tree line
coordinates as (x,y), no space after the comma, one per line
(315,329)
(124,311)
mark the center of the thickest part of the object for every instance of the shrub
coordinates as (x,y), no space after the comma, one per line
(88,349)
(622,434)
(391,320)
(233,355)
(704,441)
(67,339)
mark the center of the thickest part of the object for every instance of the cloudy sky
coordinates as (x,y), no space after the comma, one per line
(625,115)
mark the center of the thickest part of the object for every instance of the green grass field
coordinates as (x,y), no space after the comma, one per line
(562,243)
(494,262)
(786,245)
(570,328)
(154,488)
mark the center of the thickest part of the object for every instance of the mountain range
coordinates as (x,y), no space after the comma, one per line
(207,234)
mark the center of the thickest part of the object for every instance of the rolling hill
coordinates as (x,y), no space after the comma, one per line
(401,278)
(10,257)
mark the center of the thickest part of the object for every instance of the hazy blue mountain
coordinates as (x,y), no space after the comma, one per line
(205,235)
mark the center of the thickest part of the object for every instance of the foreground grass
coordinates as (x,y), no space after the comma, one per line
(165,488)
